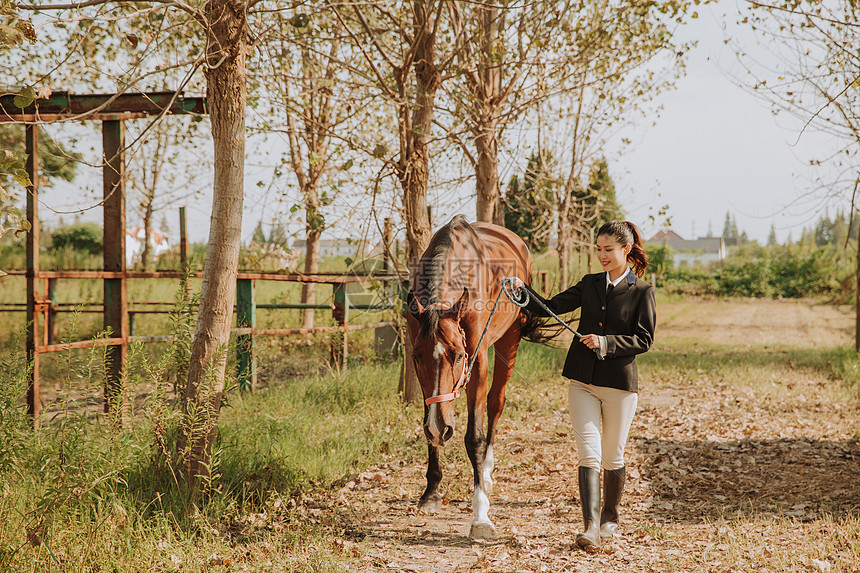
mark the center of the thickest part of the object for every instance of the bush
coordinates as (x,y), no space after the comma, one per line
(778,271)
(751,278)
(86,237)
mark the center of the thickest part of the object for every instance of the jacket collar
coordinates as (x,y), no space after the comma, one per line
(623,286)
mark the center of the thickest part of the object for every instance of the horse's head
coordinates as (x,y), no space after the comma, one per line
(439,355)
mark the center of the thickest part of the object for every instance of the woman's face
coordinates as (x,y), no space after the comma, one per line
(612,255)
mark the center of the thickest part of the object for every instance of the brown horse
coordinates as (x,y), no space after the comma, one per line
(451,299)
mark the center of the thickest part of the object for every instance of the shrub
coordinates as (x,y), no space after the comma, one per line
(777,271)
(86,237)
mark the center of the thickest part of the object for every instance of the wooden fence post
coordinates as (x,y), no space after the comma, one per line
(246,347)
(52,326)
(34,405)
(183,240)
(115,301)
(340,312)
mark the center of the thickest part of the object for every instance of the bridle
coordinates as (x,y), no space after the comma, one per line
(454,393)
(458,386)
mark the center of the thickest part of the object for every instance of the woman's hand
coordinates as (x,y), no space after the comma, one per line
(592,341)
(516,285)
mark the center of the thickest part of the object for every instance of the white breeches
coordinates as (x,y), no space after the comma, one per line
(601,419)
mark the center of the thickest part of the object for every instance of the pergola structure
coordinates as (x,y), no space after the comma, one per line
(112,110)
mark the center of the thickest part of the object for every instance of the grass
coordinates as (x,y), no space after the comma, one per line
(79,495)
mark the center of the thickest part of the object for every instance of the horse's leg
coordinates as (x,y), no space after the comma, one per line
(431,500)
(506,356)
(476,447)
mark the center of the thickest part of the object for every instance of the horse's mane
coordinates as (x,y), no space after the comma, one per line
(432,272)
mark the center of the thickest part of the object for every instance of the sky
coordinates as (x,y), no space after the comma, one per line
(715,148)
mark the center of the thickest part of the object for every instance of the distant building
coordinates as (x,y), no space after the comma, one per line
(134,241)
(689,252)
(355,248)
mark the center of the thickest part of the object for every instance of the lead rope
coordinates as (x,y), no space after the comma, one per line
(521,301)
(483,334)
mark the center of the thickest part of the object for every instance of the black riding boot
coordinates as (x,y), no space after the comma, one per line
(613,484)
(589,496)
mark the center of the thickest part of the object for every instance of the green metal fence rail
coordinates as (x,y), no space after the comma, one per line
(46,308)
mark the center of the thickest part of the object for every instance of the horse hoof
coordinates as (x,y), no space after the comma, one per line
(430,504)
(482,531)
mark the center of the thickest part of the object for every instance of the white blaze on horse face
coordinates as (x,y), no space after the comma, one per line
(487,470)
(433,415)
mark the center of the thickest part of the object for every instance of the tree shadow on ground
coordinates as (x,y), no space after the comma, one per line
(797,477)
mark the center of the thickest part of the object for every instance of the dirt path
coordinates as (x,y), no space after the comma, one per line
(732,461)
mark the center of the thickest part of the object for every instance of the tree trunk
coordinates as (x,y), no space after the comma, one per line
(857,300)
(566,202)
(413,167)
(563,253)
(146,254)
(487,172)
(486,91)
(312,265)
(227,96)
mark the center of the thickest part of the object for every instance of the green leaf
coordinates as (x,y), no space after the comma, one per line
(22,178)
(26,97)
(379,151)
(7,160)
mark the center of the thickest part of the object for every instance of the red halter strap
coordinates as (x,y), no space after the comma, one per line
(454,394)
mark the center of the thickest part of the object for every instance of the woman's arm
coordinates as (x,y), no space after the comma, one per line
(643,330)
(561,303)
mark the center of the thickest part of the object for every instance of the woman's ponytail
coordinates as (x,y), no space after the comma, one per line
(637,255)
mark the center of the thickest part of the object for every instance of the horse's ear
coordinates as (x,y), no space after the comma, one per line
(461,305)
(413,306)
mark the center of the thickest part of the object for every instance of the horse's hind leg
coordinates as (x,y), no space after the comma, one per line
(431,500)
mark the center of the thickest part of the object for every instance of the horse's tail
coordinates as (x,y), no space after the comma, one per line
(539,329)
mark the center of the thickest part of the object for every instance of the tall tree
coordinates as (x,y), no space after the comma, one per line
(227,49)
(730,230)
(603,70)
(218,38)
(497,47)
(400,44)
(771,237)
(303,63)
(600,196)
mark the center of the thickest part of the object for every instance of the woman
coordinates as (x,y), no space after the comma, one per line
(617,323)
